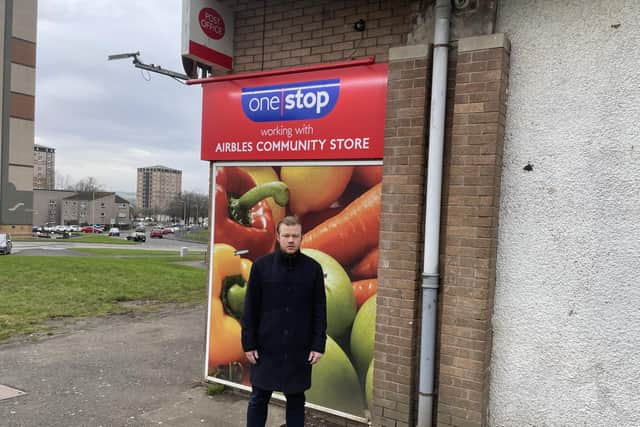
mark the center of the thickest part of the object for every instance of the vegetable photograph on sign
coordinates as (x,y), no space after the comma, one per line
(339,208)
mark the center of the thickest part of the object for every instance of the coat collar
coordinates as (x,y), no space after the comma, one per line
(286,259)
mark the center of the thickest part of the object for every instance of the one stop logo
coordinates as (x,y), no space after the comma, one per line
(211,23)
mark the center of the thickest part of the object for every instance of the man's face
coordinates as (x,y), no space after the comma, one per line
(289,238)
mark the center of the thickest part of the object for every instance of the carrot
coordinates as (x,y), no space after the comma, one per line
(352,233)
(367,267)
(364,289)
(367,176)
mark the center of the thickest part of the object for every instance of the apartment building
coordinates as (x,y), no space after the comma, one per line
(96,208)
(18,71)
(44,167)
(157,186)
(81,208)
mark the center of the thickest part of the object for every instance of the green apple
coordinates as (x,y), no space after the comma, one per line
(341,303)
(363,336)
(234,291)
(368,385)
(334,382)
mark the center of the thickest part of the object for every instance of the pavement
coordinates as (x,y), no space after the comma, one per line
(131,370)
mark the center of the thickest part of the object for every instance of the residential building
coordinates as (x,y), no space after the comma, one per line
(81,208)
(17,86)
(44,167)
(96,208)
(47,206)
(157,186)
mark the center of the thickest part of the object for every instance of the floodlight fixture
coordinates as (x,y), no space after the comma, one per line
(149,67)
(123,56)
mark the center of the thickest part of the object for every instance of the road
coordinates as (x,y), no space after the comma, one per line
(38,246)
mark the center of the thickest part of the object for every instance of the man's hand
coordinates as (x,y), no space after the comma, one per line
(314,356)
(252,356)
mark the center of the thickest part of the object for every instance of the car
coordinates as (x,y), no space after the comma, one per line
(74,228)
(114,231)
(90,229)
(5,243)
(60,228)
(140,228)
(167,230)
(137,236)
(156,232)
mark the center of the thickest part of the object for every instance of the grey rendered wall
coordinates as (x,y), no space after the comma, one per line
(567,302)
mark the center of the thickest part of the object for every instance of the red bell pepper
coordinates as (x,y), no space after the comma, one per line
(243,217)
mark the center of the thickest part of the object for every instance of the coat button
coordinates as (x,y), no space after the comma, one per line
(286,332)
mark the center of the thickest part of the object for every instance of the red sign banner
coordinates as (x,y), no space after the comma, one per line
(314,113)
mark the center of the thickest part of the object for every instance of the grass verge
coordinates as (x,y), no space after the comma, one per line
(36,289)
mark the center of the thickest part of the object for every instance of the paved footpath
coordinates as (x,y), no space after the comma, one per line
(142,370)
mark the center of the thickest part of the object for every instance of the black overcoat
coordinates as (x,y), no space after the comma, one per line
(285,317)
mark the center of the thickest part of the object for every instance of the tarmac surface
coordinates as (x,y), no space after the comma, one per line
(133,370)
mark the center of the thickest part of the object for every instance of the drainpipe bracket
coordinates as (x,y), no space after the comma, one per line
(430,281)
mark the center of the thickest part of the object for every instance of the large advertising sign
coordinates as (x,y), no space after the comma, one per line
(339,207)
(328,114)
(304,142)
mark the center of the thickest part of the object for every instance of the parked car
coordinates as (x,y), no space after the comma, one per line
(74,228)
(156,232)
(90,229)
(167,230)
(137,236)
(140,228)
(5,243)
(114,231)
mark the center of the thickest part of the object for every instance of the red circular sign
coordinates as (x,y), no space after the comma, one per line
(211,23)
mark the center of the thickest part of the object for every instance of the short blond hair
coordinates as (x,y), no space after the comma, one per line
(288,220)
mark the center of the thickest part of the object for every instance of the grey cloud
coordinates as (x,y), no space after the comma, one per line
(103,116)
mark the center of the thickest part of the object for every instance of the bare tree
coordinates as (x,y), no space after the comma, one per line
(88,184)
(63,182)
(190,206)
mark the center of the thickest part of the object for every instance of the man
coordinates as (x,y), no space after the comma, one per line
(284,325)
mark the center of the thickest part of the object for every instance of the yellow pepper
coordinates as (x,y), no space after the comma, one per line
(314,188)
(224,330)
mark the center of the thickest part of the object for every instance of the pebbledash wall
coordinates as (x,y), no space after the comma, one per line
(557,243)
(566,319)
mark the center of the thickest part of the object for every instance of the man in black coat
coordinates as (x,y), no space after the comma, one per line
(284,325)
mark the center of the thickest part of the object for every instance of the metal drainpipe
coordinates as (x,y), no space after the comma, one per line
(430,277)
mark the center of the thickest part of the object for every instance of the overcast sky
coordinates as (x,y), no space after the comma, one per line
(105,118)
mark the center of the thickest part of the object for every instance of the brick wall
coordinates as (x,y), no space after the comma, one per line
(470,225)
(285,33)
(401,232)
